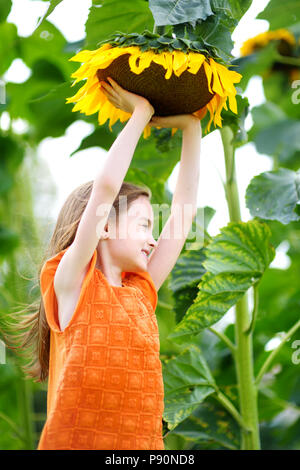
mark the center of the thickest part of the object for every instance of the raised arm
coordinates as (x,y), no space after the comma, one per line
(105,189)
(184,202)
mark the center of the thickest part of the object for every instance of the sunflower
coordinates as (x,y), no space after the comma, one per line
(173,80)
(287,45)
(262,39)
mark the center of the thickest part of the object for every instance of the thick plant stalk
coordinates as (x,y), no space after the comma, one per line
(244,347)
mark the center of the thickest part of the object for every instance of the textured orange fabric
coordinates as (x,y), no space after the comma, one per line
(105,384)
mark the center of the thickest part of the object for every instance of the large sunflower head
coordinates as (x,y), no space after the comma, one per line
(173,78)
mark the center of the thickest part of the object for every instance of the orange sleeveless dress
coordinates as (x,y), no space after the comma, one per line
(105,384)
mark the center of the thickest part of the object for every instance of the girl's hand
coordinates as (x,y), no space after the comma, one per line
(179,121)
(123,99)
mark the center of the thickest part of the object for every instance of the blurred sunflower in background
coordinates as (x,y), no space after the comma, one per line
(287,46)
(175,80)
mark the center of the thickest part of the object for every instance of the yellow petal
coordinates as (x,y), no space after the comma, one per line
(208,73)
(147,131)
(132,63)
(217,87)
(82,56)
(114,116)
(144,62)
(103,114)
(180,62)
(169,63)
(97,98)
(195,62)
(232,103)
(77,95)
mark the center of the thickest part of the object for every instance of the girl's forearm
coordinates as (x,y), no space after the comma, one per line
(120,154)
(186,189)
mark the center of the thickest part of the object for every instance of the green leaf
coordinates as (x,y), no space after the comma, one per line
(263,116)
(12,155)
(8,45)
(5,7)
(187,382)
(237,121)
(274,195)
(210,422)
(100,137)
(41,101)
(281,139)
(281,14)
(254,64)
(47,43)
(187,270)
(133,17)
(215,33)
(235,260)
(280,89)
(9,241)
(52,6)
(232,8)
(179,11)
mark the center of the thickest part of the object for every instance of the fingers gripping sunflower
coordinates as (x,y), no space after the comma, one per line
(111,92)
(122,98)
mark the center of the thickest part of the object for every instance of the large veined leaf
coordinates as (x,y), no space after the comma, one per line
(184,279)
(188,269)
(187,382)
(179,11)
(274,195)
(116,15)
(210,422)
(236,260)
(281,14)
(232,8)
(215,33)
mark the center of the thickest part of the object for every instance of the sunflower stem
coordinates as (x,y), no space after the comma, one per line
(288,60)
(243,358)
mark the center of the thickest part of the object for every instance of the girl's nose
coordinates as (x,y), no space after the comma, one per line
(153,242)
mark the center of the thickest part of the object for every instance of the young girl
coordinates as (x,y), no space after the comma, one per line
(98,337)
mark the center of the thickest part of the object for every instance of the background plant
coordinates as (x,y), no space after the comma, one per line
(223,389)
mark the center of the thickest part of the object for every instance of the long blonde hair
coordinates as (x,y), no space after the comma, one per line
(29,334)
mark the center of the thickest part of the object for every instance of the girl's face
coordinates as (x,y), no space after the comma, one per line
(133,233)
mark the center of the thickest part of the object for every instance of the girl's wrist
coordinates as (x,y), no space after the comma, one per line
(192,123)
(144,110)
